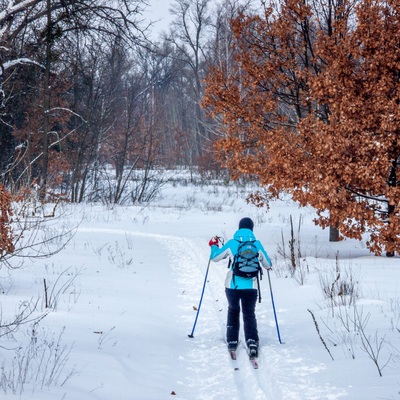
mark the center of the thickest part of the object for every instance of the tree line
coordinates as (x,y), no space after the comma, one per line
(301,95)
(84,91)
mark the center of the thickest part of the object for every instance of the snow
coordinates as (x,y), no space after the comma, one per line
(126,287)
(13,63)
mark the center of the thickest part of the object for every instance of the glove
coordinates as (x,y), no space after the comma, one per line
(214,241)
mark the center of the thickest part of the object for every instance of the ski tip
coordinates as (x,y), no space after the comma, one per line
(254,363)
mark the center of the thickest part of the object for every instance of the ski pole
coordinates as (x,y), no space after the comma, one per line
(273,306)
(201,299)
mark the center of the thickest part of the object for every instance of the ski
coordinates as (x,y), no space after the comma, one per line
(254,363)
(253,360)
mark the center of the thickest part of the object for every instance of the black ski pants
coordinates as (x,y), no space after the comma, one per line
(247,298)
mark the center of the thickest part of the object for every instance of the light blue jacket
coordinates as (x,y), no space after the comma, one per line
(230,249)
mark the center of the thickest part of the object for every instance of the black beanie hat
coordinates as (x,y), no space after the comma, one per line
(246,223)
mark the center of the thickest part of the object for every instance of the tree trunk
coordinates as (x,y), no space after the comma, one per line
(46,108)
(392,182)
(333,234)
(391,207)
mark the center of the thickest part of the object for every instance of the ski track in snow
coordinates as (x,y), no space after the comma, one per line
(240,379)
(211,374)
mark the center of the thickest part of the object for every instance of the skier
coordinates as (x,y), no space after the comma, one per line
(241,291)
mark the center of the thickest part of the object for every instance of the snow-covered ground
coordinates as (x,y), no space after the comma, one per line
(124,292)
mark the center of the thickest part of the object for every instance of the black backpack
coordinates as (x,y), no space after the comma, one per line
(246,264)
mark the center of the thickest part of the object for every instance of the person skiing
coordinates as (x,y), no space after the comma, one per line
(241,290)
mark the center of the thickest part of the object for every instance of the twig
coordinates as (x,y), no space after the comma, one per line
(319,334)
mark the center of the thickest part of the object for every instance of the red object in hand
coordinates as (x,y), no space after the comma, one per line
(213,242)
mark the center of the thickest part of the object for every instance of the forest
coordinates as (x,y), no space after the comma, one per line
(84,90)
(300,96)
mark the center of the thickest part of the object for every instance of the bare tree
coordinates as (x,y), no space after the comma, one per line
(33,33)
(189,35)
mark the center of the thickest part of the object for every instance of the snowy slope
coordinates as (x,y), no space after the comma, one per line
(127,286)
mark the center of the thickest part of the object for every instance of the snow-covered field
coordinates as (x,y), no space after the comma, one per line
(124,292)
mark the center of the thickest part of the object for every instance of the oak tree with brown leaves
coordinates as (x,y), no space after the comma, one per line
(311,107)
